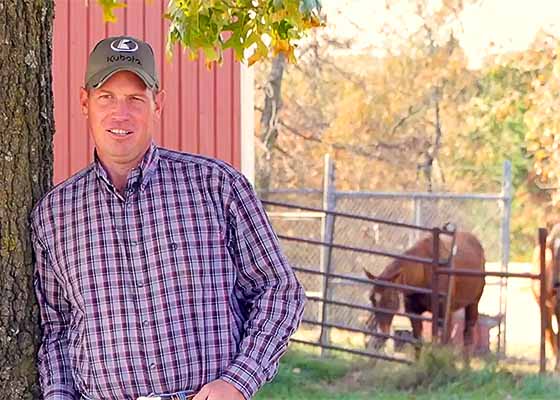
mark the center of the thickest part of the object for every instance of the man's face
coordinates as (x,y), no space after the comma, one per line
(121,115)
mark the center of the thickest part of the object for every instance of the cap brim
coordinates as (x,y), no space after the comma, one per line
(101,77)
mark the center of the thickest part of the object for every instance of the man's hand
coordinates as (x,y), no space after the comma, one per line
(218,390)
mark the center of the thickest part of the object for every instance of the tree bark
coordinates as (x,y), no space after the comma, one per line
(26,130)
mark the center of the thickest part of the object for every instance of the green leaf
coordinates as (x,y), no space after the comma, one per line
(201,25)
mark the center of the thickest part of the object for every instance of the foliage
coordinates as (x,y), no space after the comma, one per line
(380,118)
(495,131)
(212,26)
(543,135)
(535,91)
(376,116)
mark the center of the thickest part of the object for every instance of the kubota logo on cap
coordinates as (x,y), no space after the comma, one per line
(124,45)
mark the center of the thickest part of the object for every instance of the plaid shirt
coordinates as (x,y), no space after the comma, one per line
(176,283)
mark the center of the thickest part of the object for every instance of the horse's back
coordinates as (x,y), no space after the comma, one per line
(470,254)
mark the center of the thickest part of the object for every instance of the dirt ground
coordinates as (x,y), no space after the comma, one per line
(522,327)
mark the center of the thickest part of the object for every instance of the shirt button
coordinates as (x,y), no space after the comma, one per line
(153,366)
(173,246)
(145,322)
(140,284)
(134,242)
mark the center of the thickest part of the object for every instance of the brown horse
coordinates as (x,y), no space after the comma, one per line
(551,271)
(466,291)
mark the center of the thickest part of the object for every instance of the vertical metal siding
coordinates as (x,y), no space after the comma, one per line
(201,113)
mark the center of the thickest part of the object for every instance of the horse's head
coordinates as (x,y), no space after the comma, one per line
(381,297)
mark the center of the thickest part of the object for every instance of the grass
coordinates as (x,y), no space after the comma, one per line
(439,374)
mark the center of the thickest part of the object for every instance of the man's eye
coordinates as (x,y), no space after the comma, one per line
(136,98)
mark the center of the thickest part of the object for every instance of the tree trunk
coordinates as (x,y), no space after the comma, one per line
(26,129)
(269,121)
(432,153)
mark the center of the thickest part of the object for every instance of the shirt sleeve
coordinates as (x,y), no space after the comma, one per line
(267,285)
(53,362)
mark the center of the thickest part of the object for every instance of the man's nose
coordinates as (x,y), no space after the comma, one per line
(121,110)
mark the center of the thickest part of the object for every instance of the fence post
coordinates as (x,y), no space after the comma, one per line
(435,284)
(327,230)
(417,218)
(505,228)
(542,297)
(447,316)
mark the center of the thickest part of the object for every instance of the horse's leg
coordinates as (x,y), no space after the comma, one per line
(471,317)
(548,331)
(412,305)
(417,333)
(555,336)
(549,336)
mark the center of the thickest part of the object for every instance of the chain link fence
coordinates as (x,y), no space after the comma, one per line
(485,215)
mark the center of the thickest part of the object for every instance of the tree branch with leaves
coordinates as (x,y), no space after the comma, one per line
(257,29)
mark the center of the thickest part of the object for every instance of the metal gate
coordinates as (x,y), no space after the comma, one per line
(486,215)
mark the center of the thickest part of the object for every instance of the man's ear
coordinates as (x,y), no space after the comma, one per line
(84,95)
(159,100)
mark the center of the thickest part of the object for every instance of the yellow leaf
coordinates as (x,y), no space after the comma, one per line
(282,46)
(313,22)
(254,58)
(193,55)
(541,154)
(108,6)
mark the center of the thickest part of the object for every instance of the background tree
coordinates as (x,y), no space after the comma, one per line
(415,116)
(26,129)
(386,113)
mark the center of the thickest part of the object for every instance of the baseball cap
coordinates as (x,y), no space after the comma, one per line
(121,53)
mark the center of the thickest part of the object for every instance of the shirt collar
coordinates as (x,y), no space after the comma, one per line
(141,174)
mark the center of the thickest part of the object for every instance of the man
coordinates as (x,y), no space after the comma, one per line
(157,272)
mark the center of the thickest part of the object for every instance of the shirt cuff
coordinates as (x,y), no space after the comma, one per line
(59,392)
(245,374)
